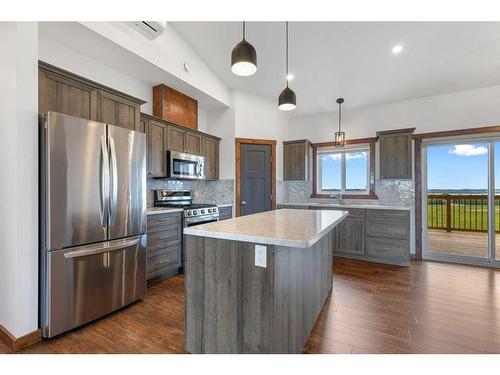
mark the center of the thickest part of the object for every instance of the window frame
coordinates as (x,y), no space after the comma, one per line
(365,144)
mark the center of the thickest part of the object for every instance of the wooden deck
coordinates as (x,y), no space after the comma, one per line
(429,307)
(474,244)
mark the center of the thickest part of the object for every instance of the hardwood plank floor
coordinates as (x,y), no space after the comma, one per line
(428,308)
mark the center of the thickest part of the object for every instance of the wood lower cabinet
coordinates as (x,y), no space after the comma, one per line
(164,247)
(64,92)
(211,153)
(349,236)
(296,160)
(225,212)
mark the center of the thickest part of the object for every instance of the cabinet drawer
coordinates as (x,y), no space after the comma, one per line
(162,260)
(387,248)
(388,214)
(388,228)
(163,220)
(168,236)
(225,213)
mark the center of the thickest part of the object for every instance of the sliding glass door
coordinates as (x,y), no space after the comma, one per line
(460,206)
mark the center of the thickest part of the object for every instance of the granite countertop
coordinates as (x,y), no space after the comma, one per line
(294,228)
(162,210)
(361,206)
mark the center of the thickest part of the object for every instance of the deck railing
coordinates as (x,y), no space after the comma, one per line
(460,212)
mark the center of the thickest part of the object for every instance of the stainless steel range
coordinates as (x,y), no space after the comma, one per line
(194,213)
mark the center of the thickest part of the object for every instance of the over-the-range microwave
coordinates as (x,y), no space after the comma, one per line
(185,166)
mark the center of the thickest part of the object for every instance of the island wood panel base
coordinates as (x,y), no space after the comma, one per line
(233,306)
(18,343)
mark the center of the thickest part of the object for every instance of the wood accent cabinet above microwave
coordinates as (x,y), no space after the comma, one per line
(163,136)
(64,92)
(396,156)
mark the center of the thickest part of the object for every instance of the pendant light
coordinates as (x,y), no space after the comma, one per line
(244,58)
(287,100)
(340,135)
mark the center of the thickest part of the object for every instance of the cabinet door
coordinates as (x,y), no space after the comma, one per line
(211,153)
(395,156)
(176,139)
(193,143)
(115,110)
(61,94)
(350,236)
(157,147)
(295,160)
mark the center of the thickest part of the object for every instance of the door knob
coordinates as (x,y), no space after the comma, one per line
(243,203)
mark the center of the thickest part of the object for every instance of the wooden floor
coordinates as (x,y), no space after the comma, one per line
(473,244)
(427,308)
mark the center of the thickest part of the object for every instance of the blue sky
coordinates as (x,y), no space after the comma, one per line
(460,166)
(356,172)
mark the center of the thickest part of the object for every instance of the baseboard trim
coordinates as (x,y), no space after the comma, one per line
(18,343)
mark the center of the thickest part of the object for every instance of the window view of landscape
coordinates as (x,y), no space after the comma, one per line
(457,199)
(353,180)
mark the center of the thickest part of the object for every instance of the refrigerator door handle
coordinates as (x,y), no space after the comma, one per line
(102,248)
(104,183)
(114,181)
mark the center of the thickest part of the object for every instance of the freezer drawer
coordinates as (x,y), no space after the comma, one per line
(87,282)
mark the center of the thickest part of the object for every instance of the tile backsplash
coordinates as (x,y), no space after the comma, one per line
(218,191)
(389,192)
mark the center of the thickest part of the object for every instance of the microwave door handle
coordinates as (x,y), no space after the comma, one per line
(104,183)
(114,181)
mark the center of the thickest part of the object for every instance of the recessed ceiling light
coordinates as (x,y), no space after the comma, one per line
(397,49)
(289,77)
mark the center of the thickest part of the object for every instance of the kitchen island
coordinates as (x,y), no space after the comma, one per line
(257,283)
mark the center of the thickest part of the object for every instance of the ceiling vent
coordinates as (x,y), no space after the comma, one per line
(149,29)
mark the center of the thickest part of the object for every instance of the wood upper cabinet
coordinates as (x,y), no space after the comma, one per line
(157,147)
(176,139)
(115,110)
(193,143)
(296,160)
(175,107)
(65,92)
(211,153)
(395,149)
(60,93)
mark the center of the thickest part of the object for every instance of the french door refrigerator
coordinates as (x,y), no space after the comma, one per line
(93,220)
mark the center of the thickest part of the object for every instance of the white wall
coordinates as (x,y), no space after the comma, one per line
(259,117)
(19,183)
(458,110)
(168,52)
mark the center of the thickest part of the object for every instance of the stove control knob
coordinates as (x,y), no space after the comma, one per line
(195,212)
(209,210)
(202,212)
(189,213)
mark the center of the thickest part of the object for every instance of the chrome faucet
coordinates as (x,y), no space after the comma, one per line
(338,197)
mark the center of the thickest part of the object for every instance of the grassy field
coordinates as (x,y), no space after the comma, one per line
(464,216)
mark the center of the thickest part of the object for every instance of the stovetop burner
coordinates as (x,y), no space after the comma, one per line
(187,206)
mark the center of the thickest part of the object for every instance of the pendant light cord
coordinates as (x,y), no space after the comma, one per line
(286,33)
(340,114)
(244,31)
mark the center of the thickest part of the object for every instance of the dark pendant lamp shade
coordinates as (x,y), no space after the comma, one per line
(287,100)
(340,135)
(244,58)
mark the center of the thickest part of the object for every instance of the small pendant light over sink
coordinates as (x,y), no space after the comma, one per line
(244,58)
(287,99)
(340,135)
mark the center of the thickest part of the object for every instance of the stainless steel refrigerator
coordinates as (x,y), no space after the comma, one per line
(93,220)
